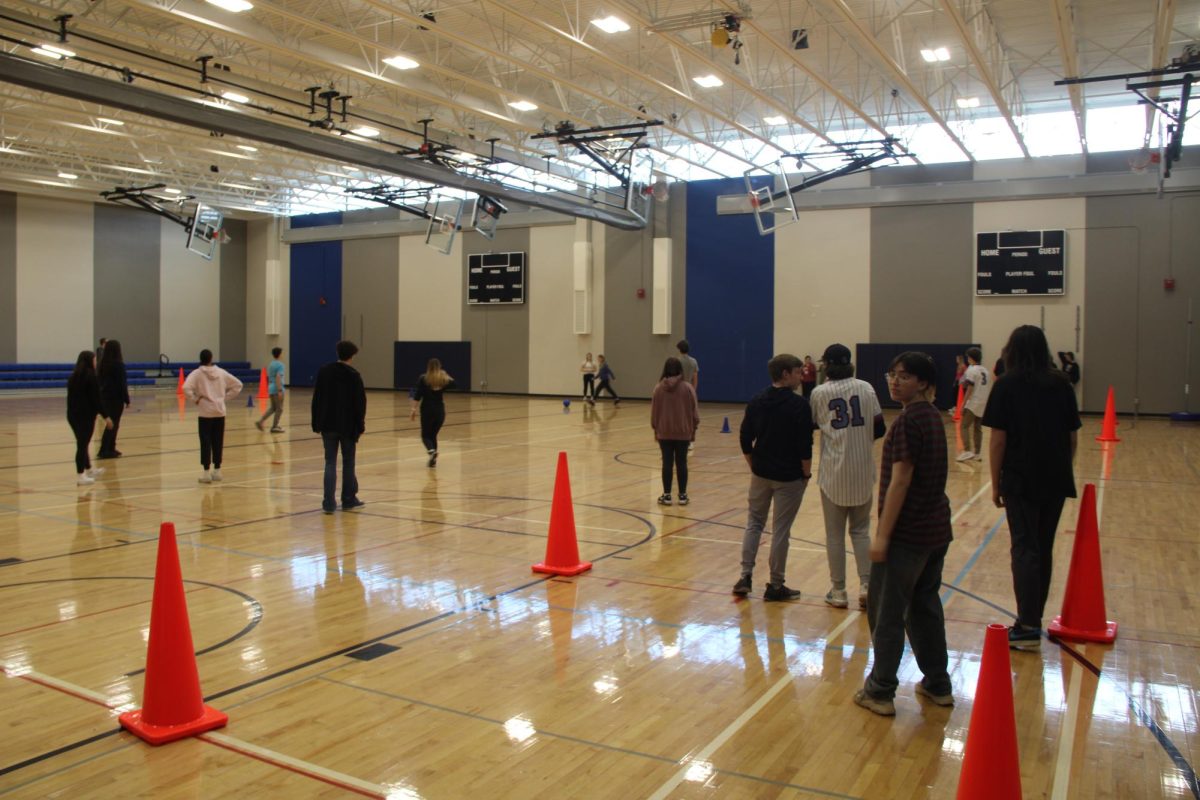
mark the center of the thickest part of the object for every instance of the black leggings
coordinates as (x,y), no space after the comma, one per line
(606,387)
(431,423)
(589,385)
(83,438)
(674,450)
(108,440)
(212,441)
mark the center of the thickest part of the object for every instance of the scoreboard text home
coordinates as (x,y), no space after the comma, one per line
(1020,263)
(495,278)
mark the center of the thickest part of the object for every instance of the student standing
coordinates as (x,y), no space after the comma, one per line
(606,377)
(977,385)
(339,414)
(691,367)
(850,418)
(275,384)
(910,544)
(1034,420)
(114,394)
(427,397)
(83,404)
(776,439)
(588,368)
(674,416)
(210,388)
(808,378)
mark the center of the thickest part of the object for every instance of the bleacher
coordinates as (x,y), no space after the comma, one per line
(140,373)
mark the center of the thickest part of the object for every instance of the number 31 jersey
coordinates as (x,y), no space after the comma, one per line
(845,412)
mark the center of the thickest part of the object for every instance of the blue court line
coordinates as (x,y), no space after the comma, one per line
(962,573)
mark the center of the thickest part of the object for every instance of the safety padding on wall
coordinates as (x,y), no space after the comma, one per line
(661,300)
(582,295)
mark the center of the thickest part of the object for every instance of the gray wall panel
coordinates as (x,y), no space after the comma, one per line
(499,335)
(931,173)
(370,288)
(8,277)
(233,296)
(922,274)
(126,256)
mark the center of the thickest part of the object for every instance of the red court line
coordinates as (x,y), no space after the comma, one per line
(65,691)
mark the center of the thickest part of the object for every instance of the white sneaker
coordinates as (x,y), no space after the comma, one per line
(216,474)
(977,457)
(206,477)
(95,472)
(965,455)
(837,598)
(85,479)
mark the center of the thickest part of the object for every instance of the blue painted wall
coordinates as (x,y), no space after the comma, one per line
(730,297)
(315,306)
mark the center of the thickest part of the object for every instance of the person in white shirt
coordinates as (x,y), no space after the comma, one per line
(977,385)
(210,388)
(847,412)
(589,368)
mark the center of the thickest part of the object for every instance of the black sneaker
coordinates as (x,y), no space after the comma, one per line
(328,508)
(351,504)
(742,587)
(780,592)
(665,500)
(1027,639)
(432,458)
(683,499)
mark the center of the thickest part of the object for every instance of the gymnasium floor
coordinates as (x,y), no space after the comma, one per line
(641,678)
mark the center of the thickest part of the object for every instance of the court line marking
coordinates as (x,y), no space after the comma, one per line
(276,759)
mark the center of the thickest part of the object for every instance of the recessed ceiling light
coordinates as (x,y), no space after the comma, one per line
(611,24)
(173,191)
(523,105)
(709,81)
(135,170)
(70,176)
(53,51)
(401,62)
(240,186)
(937,54)
(234,97)
(365,130)
(236,6)
(967,102)
(247,148)
(775,120)
(261,203)
(108,121)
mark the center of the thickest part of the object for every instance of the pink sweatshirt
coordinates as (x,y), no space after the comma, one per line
(210,387)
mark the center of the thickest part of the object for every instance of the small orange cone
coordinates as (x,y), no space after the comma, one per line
(179,391)
(262,384)
(562,549)
(958,405)
(1108,431)
(172,706)
(991,767)
(1083,617)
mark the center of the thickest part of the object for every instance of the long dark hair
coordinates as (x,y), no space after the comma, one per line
(85,368)
(672,366)
(1027,352)
(112,360)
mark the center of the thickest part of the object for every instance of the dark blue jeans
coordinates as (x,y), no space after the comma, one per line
(1032,525)
(349,482)
(903,598)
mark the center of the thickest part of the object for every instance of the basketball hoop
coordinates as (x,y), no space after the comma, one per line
(1139,161)
(221,237)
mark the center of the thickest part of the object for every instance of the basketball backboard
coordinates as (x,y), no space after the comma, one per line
(203,232)
(445,216)
(772,203)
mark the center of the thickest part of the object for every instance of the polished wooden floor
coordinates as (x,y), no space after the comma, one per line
(641,678)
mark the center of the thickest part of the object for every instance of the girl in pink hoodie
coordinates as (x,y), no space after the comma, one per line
(674,415)
(210,387)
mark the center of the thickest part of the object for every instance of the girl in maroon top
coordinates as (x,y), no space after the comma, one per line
(674,415)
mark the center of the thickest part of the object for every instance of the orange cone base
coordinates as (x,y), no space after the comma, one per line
(1106,636)
(567,571)
(161,734)
(1103,438)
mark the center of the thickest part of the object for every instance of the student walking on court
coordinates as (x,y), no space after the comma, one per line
(606,377)
(339,414)
(210,388)
(588,368)
(850,418)
(114,393)
(83,404)
(910,544)
(1034,420)
(776,438)
(674,416)
(427,397)
(275,387)
(977,385)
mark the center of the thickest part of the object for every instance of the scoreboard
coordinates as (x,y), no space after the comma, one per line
(495,278)
(1020,263)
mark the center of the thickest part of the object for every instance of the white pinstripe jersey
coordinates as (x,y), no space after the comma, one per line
(845,411)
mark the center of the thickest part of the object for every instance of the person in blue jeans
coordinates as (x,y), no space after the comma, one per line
(339,413)
(275,388)
(910,543)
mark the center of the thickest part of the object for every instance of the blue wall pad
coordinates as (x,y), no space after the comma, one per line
(315,308)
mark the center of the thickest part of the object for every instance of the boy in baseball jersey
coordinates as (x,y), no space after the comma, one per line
(847,412)
(977,385)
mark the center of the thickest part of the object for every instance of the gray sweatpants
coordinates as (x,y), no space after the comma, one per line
(787,496)
(836,518)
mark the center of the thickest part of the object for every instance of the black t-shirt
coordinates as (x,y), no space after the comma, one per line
(430,398)
(777,434)
(1038,413)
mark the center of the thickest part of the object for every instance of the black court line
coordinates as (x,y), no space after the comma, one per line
(4,562)
(66,748)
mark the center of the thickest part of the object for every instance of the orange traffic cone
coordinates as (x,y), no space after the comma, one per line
(1108,431)
(562,550)
(958,405)
(991,768)
(172,706)
(262,384)
(1083,617)
(179,391)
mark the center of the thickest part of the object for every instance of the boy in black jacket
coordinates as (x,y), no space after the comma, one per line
(339,413)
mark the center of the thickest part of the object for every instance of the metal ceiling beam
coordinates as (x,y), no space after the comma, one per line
(1064,21)
(872,46)
(81,86)
(1164,21)
(985,28)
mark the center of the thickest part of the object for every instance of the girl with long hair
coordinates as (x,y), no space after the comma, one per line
(427,398)
(83,404)
(114,394)
(674,416)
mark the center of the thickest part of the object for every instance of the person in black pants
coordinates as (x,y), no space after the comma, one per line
(606,377)
(427,397)
(83,404)
(339,414)
(114,394)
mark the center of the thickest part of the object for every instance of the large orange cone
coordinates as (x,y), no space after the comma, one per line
(991,767)
(179,391)
(958,404)
(262,384)
(1083,617)
(1108,431)
(562,550)
(172,706)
